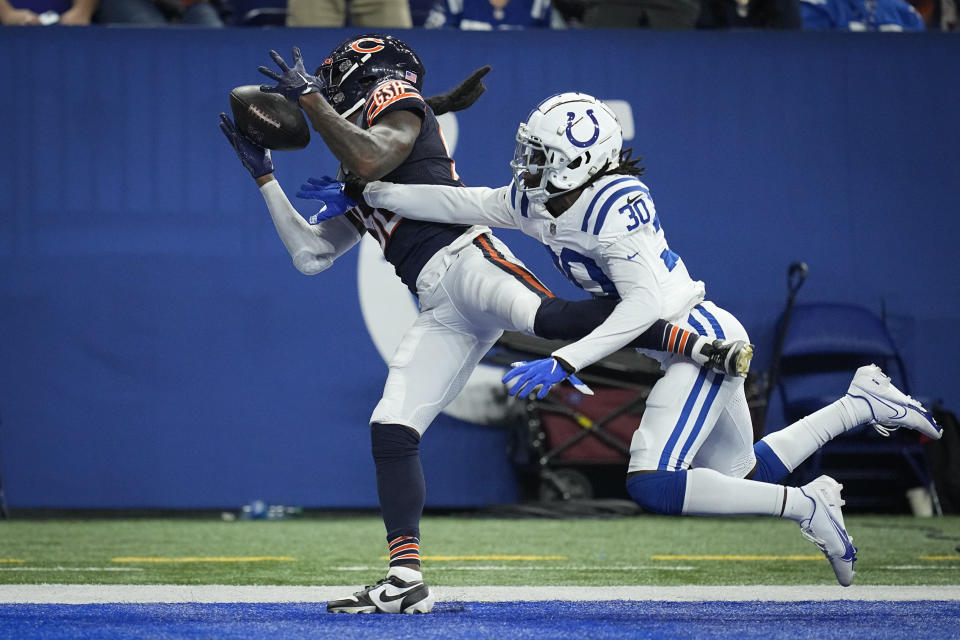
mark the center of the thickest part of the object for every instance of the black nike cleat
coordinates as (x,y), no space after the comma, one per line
(390,595)
(729,358)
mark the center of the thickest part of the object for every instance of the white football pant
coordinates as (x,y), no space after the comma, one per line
(469,294)
(695,416)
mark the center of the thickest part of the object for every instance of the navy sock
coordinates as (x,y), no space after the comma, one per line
(559,319)
(666,336)
(400,486)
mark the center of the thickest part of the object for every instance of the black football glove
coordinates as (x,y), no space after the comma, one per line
(254,158)
(461,96)
(291,82)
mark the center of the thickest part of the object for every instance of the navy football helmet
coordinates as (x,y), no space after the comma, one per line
(357,64)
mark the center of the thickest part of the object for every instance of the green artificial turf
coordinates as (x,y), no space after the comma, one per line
(333,550)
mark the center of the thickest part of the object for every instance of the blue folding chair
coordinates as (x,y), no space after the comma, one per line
(822,348)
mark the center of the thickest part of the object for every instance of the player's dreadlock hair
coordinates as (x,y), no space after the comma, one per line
(627,166)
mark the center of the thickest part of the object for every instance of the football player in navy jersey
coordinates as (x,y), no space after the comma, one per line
(365,103)
(577,191)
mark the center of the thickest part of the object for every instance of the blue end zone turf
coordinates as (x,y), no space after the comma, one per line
(533,620)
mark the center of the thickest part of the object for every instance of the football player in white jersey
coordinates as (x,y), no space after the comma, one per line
(366,104)
(578,192)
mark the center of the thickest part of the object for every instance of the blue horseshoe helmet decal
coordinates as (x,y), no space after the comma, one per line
(596,129)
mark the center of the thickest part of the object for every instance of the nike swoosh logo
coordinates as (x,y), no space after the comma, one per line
(384,597)
(633,199)
(895,408)
(633,256)
(849,551)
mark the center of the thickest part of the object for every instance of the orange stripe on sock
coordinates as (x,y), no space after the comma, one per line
(523,274)
(683,342)
(673,337)
(406,547)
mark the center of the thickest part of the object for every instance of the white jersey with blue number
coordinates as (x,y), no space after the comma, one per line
(609,243)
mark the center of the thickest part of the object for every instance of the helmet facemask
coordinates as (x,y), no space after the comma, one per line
(537,168)
(342,82)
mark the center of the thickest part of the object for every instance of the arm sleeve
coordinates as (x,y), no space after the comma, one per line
(441,203)
(638,309)
(312,248)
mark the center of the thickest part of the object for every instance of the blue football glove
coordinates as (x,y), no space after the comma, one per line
(318,188)
(543,373)
(291,83)
(255,158)
(332,192)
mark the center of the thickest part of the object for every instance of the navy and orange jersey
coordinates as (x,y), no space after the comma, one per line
(408,244)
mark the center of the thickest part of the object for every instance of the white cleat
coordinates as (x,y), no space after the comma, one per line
(825,527)
(891,407)
(393,594)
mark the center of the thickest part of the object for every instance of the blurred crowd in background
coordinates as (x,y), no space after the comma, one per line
(838,15)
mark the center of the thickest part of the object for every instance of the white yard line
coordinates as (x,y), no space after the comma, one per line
(94,594)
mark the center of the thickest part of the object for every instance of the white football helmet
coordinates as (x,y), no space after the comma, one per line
(565,141)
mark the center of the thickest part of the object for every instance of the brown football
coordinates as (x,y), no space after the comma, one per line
(269,119)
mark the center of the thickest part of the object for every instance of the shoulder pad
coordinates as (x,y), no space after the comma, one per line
(621,193)
(391,95)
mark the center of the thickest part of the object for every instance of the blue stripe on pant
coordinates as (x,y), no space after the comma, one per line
(711,319)
(664,464)
(717,380)
(704,411)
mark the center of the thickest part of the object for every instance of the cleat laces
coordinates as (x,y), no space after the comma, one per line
(807,533)
(887,430)
(370,587)
(884,431)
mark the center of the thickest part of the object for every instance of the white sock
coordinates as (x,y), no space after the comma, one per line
(797,442)
(405,573)
(696,353)
(710,493)
(796,505)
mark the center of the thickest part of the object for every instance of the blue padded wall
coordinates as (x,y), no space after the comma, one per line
(157,348)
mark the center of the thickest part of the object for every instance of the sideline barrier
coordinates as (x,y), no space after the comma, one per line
(158,349)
